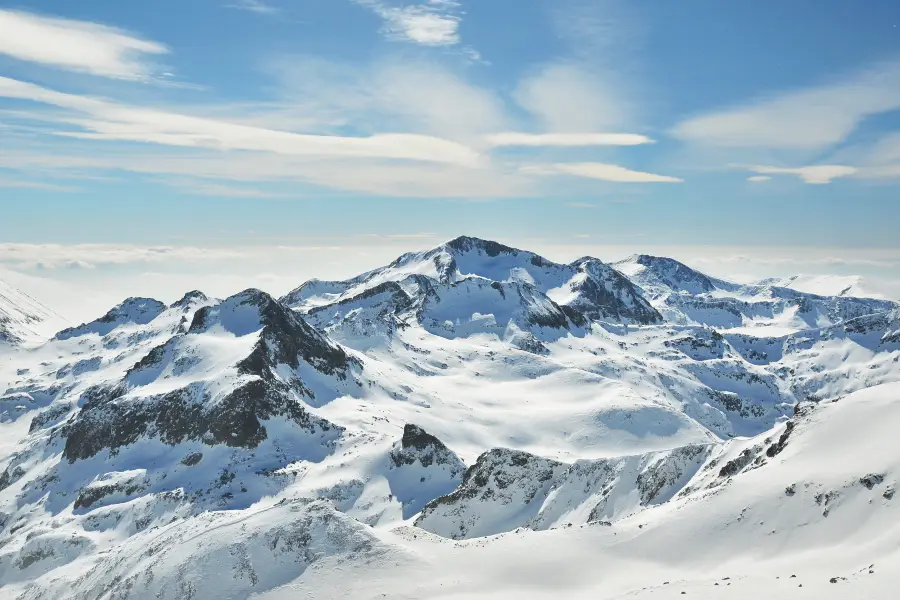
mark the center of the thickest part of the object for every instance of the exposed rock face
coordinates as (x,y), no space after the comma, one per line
(109,422)
(417,445)
(507,489)
(508,480)
(285,339)
(422,468)
(604,293)
(112,417)
(776,448)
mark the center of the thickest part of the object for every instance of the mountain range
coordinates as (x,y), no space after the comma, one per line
(472,420)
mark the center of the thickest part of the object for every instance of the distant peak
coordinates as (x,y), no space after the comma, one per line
(466,243)
(190,297)
(253,296)
(585,260)
(648,260)
(134,306)
(138,301)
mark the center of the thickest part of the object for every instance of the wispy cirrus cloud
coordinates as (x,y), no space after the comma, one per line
(601,171)
(80,46)
(431,23)
(255,6)
(813,174)
(23,184)
(566,139)
(811,118)
(110,121)
(571,98)
(409,129)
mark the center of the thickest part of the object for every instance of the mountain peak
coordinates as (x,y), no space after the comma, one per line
(190,298)
(466,243)
(136,310)
(662,274)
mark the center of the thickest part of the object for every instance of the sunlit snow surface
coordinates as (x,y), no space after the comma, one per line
(691,430)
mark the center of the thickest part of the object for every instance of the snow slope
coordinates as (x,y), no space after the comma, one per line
(608,431)
(23,319)
(768,308)
(816,519)
(836,285)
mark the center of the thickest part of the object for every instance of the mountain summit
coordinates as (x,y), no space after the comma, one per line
(480,275)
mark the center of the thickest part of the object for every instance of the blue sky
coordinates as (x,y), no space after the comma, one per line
(328,123)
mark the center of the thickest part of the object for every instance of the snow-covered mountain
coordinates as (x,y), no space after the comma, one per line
(837,285)
(684,295)
(342,441)
(23,319)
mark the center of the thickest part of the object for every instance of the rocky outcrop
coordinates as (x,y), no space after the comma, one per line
(419,446)
(508,489)
(237,419)
(114,416)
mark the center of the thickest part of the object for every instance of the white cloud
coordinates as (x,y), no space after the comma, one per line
(567,139)
(759,178)
(116,122)
(602,171)
(35,185)
(880,172)
(568,98)
(409,95)
(76,45)
(811,118)
(376,177)
(200,187)
(885,151)
(432,23)
(53,256)
(254,6)
(815,174)
(431,98)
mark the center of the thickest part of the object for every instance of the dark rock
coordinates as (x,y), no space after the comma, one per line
(89,496)
(871,480)
(186,414)
(607,294)
(776,448)
(467,244)
(51,415)
(192,459)
(416,437)
(737,464)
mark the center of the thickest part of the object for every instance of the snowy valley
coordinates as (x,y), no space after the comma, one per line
(470,421)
